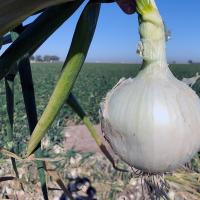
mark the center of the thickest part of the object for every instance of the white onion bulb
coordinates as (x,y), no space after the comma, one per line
(152,121)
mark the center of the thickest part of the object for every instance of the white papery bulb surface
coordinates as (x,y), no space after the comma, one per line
(152,121)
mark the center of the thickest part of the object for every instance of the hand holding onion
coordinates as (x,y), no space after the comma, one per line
(128,6)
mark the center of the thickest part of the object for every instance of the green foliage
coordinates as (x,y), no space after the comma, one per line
(74,61)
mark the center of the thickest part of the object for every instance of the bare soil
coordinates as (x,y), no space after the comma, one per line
(86,169)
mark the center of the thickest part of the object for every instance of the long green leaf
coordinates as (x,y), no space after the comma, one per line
(10,16)
(74,104)
(31,112)
(9,86)
(78,51)
(35,34)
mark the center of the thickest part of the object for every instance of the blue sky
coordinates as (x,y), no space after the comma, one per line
(117,36)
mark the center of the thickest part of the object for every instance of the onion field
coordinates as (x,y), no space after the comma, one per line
(94,81)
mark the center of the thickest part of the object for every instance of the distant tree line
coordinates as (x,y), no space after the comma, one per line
(189,62)
(45,58)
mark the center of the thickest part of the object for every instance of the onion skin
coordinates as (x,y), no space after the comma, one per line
(157,131)
(152,121)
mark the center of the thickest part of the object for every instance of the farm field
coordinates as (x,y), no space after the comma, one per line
(94,81)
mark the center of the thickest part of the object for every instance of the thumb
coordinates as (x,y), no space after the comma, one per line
(128,6)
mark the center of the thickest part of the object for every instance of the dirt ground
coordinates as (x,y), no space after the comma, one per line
(78,138)
(88,174)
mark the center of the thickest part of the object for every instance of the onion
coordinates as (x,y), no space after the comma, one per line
(152,121)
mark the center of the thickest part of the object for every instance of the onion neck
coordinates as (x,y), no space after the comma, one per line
(152,36)
(155,60)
